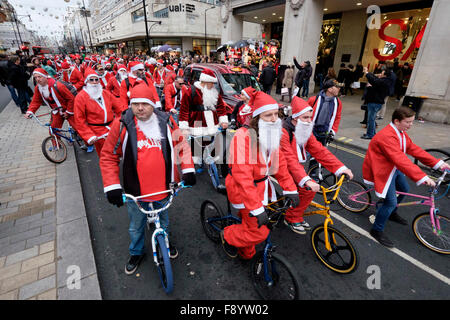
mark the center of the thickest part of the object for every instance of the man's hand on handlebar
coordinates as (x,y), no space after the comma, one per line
(429,182)
(349,173)
(445,166)
(312,185)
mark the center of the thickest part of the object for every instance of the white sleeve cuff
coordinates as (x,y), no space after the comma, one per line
(257,211)
(69,112)
(112,187)
(339,171)
(223,119)
(438,165)
(188,170)
(304,180)
(90,139)
(418,183)
(30,112)
(290,192)
(183,125)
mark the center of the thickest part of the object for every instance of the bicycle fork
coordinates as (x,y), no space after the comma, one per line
(157,232)
(327,241)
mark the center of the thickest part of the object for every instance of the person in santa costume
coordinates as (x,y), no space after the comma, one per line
(55,95)
(297,140)
(385,165)
(103,75)
(242,111)
(254,156)
(170,75)
(173,94)
(95,109)
(114,82)
(136,75)
(159,75)
(204,110)
(72,75)
(146,140)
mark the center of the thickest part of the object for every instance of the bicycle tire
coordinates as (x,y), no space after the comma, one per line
(164,267)
(423,231)
(209,210)
(212,170)
(349,188)
(286,284)
(329,179)
(328,258)
(50,154)
(439,154)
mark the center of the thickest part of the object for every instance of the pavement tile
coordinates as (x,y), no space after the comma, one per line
(12,295)
(47,247)
(25,235)
(22,255)
(49,295)
(41,239)
(12,248)
(37,287)
(38,261)
(19,281)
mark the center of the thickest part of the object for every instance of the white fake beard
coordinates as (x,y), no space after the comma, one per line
(94,90)
(123,76)
(150,128)
(210,97)
(44,90)
(269,135)
(303,131)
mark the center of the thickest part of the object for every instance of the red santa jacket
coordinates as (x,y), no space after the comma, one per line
(387,152)
(176,151)
(104,79)
(296,155)
(209,120)
(159,77)
(93,118)
(246,186)
(125,91)
(75,77)
(336,117)
(113,86)
(172,96)
(57,98)
(170,78)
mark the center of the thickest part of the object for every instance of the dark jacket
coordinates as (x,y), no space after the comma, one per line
(4,78)
(267,77)
(379,90)
(303,73)
(18,76)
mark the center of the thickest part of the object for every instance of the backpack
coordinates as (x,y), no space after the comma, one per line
(68,85)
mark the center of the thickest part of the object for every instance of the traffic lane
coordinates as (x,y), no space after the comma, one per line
(402,236)
(5,97)
(203,271)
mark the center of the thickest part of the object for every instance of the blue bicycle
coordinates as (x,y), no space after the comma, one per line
(272,275)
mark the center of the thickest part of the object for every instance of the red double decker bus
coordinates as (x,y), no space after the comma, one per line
(37,50)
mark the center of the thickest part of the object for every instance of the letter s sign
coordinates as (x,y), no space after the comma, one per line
(397,42)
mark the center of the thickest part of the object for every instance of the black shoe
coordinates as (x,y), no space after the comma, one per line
(381,238)
(133,264)
(229,249)
(363,122)
(366,137)
(173,252)
(396,218)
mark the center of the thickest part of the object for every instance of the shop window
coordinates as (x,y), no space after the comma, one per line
(137,15)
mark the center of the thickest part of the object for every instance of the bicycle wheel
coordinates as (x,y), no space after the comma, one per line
(439,154)
(349,188)
(328,179)
(211,217)
(423,230)
(285,285)
(164,266)
(54,149)
(212,170)
(342,258)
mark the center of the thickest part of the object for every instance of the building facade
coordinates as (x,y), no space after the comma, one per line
(331,32)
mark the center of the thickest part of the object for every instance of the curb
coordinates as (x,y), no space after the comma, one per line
(76,270)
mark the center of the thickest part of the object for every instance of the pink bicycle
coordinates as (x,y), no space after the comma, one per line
(431,228)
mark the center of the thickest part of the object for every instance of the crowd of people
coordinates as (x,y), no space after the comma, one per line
(141,112)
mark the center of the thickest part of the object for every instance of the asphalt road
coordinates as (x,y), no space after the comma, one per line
(203,271)
(5,97)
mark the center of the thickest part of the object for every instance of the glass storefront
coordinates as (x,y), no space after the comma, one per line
(198,46)
(327,43)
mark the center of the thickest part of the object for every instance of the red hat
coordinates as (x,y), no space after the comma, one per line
(89,73)
(49,63)
(169,67)
(208,75)
(142,93)
(65,65)
(249,92)
(41,72)
(263,102)
(121,67)
(299,107)
(135,65)
(160,62)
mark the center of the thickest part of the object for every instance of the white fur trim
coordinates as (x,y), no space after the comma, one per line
(290,192)
(339,171)
(209,118)
(188,170)
(298,114)
(44,75)
(137,67)
(183,125)
(143,100)
(303,181)
(112,187)
(158,104)
(207,78)
(370,183)
(257,212)
(245,94)
(418,183)
(238,206)
(90,139)
(438,165)
(223,119)
(265,108)
(128,94)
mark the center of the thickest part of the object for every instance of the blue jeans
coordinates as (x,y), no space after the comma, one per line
(13,93)
(138,221)
(398,183)
(320,76)
(305,86)
(372,110)
(23,103)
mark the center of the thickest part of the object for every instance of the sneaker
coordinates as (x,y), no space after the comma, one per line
(133,264)
(396,218)
(381,238)
(379,118)
(296,227)
(366,137)
(173,252)
(305,225)
(230,250)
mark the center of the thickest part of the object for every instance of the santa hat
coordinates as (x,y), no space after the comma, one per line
(41,72)
(49,63)
(208,75)
(135,65)
(142,94)
(299,107)
(160,62)
(152,61)
(262,102)
(176,65)
(249,92)
(169,67)
(89,73)
(121,67)
(65,65)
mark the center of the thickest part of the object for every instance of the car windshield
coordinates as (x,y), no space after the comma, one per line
(233,83)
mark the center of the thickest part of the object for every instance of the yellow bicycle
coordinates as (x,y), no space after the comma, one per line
(330,245)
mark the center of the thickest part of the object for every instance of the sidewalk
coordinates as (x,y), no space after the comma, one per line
(43,226)
(426,135)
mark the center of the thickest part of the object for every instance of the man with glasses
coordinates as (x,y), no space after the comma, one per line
(173,94)
(103,75)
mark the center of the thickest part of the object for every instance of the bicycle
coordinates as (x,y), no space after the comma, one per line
(160,238)
(432,173)
(53,147)
(430,228)
(272,275)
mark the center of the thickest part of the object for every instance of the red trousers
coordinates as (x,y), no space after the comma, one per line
(246,235)
(294,215)
(57,121)
(98,146)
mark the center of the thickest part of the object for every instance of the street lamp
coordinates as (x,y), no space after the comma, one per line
(154,23)
(206,46)
(87,23)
